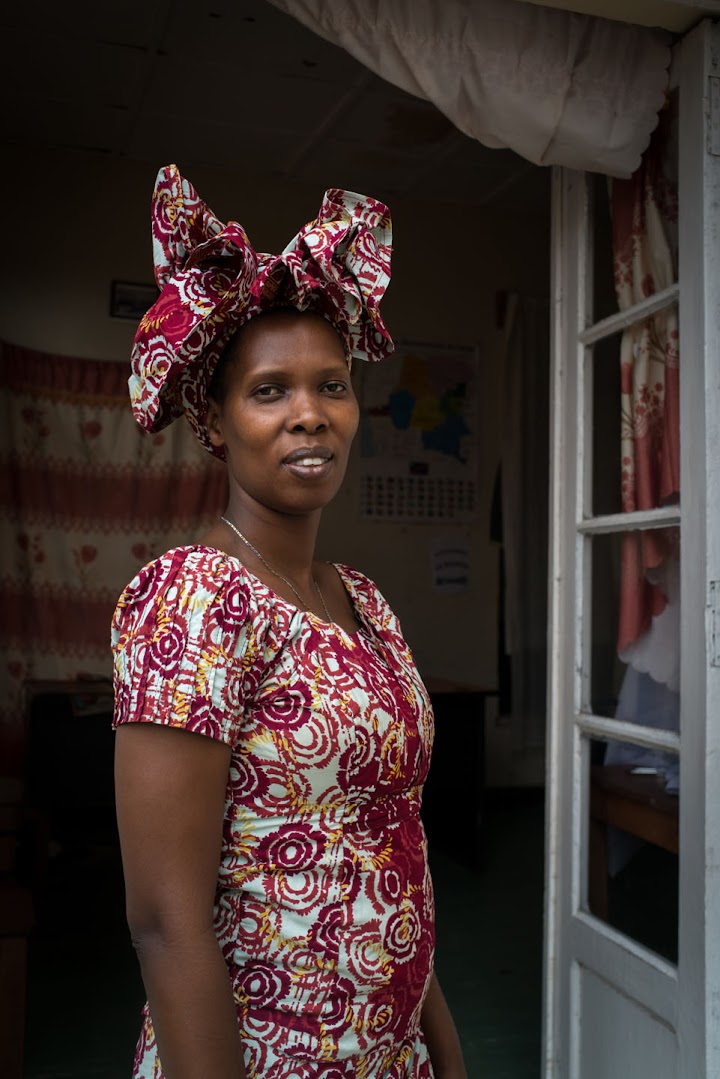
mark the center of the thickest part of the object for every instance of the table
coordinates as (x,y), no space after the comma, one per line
(639,805)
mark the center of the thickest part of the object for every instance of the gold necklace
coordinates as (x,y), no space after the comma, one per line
(276,573)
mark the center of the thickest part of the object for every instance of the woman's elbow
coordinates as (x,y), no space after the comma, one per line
(156,928)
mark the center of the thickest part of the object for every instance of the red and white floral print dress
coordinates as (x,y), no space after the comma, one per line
(324,907)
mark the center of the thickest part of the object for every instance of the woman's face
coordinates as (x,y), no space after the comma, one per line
(288,414)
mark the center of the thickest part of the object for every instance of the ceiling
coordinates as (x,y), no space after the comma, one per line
(676,15)
(238,84)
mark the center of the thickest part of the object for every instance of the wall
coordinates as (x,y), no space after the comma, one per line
(75,222)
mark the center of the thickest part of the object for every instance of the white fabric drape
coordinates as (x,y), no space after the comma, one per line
(556,87)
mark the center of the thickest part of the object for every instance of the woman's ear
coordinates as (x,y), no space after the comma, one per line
(213,422)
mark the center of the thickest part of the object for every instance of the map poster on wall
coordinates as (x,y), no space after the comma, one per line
(419,436)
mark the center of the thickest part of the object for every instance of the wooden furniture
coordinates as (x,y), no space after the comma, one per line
(69,755)
(640,806)
(454,797)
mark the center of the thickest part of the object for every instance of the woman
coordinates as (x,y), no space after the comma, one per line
(272,731)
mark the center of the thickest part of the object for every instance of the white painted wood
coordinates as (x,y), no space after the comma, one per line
(699,256)
(604,727)
(714,131)
(581,825)
(611,1007)
(613,324)
(576,941)
(715,623)
(621,1030)
(583,625)
(575,1019)
(569,199)
(626,522)
(636,970)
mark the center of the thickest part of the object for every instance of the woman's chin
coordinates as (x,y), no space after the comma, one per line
(307,506)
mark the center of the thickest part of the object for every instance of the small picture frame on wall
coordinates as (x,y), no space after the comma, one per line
(130,300)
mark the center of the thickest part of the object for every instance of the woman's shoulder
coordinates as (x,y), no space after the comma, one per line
(187,642)
(193,562)
(192,566)
(192,578)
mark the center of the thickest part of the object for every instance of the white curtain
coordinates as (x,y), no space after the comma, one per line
(556,87)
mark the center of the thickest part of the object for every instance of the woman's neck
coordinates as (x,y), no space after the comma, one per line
(284,542)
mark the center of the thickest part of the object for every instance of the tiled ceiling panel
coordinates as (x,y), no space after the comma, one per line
(235,83)
(63,124)
(160,139)
(369,168)
(221,95)
(126,22)
(253,37)
(54,68)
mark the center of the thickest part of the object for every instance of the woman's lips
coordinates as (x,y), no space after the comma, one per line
(310,462)
(309,468)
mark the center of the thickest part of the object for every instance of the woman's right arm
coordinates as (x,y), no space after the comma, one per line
(170,792)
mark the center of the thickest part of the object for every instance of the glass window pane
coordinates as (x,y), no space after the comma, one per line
(604,300)
(617,204)
(634,435)
(606,428)
(633,842)
(634,633)
(634,374)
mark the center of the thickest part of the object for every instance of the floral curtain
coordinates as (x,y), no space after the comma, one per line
(644,215)
(86,498)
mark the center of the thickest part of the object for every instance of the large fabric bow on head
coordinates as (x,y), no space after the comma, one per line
(212,281)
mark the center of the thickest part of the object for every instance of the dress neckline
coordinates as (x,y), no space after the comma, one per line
(347,583)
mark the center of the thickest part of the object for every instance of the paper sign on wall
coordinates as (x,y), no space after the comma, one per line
(451,565)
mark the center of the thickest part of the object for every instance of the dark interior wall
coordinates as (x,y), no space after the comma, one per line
(77,222)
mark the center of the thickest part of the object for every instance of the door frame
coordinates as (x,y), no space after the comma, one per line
(685,998)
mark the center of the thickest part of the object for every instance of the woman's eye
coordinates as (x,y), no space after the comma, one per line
(267,391)
(335,387)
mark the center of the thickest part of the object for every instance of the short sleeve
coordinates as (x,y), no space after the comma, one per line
(183,641)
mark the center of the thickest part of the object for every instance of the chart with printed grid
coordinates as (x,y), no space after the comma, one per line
(419,498)
(418,436)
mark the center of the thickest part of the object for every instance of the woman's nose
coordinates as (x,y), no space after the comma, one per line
(308,413)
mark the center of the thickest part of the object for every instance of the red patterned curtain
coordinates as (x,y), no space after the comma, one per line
(644,214)
(86,498)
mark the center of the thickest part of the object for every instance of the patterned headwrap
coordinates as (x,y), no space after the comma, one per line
(212,281)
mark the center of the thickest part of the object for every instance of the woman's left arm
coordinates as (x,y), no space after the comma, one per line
(441,1036)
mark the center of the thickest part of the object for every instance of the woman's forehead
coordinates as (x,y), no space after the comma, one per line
(289,336)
